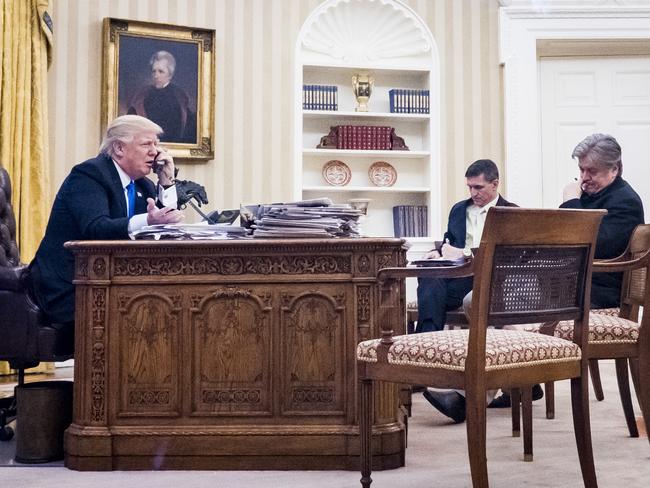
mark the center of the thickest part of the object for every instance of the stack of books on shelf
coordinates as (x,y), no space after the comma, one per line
(410,221)
(320,97)
(407,101)
(306,218)
(368,137)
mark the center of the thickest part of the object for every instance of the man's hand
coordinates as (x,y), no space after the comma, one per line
(186,190)
(451,252)
(164,167)
(433,254)
(572,190)
(165,215)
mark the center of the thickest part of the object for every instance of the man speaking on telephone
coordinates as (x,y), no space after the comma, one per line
(106,197)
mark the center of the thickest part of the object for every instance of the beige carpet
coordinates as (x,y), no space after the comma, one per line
(436,457)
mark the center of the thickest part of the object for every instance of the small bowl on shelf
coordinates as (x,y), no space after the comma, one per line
(360,204)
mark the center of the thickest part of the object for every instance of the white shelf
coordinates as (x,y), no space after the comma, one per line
(359,153)
(328,53)
(329,114)
(383,189)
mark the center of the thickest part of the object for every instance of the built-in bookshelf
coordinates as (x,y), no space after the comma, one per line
(328,56)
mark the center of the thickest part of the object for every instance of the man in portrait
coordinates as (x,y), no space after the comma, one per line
(166,103)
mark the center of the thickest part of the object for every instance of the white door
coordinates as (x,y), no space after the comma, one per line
(580,96)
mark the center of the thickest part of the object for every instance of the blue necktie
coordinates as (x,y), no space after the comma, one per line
(130,194)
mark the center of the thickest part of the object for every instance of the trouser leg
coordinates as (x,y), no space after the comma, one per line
(435,297)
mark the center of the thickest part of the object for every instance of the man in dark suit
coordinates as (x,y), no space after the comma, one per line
(437,296)
(105,197)
(464,230)
(600,185)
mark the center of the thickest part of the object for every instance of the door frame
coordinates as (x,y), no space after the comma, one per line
(525,34)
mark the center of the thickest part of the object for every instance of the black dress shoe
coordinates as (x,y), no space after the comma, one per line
(503,400)
(449,403)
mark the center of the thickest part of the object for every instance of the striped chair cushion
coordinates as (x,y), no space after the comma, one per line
(447,349)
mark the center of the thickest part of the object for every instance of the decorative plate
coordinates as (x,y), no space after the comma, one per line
(382,174)
(337,173)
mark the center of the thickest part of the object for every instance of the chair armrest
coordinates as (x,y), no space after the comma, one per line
(461,271)
(621,266)
(13,279)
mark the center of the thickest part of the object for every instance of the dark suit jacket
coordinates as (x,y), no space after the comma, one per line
(624,213)
(456,226)
(90,205)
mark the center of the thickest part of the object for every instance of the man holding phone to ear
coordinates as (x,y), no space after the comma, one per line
(600,186)
(106,197)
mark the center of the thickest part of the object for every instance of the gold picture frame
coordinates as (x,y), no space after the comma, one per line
(165,73)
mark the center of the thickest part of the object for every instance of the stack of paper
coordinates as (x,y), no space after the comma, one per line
(189,231)
(306,218)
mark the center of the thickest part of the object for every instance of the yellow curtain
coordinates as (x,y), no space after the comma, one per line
(25,51)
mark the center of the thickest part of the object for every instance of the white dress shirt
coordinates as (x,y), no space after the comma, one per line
(168,197)
(475,221)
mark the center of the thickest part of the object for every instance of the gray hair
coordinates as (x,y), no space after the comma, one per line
(602,149)
(124,129)
(164,55)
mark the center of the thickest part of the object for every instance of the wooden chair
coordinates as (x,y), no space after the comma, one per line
(532,266)
(619,336)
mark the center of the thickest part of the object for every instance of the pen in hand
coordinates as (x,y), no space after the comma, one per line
(441,244)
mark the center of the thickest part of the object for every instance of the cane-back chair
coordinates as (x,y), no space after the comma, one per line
(532,266)
(619,336)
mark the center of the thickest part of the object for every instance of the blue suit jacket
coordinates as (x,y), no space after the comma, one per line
(90,205)
(456,226)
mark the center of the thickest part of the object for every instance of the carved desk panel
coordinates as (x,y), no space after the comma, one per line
(226,354)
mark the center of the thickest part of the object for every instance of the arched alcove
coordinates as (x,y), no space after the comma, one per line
(388,41)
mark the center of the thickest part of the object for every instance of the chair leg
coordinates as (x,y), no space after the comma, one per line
(515,403)
(626,397)
(366,410)
(549,393)
(582,428)
(642,367)
(594,371)
(527,416)
(476,437)
(634,370)
(410,326)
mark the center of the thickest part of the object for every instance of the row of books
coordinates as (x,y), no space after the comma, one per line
(369,137)
(407,101)
(410,221)
(320,97)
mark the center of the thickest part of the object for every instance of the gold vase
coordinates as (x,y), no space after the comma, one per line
(362,87)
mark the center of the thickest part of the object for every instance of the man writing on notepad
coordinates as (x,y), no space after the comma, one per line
(464,230)
(436,296)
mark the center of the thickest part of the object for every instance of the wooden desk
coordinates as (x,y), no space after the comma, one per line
(226,354)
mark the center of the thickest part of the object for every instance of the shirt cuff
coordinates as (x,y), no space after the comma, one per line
(168,196)
(137,222)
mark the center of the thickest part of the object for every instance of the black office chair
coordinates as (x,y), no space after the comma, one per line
(26,336)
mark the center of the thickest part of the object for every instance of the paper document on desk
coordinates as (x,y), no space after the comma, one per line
(437,262)
(189,231)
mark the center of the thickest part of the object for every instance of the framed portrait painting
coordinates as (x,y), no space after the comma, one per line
(165,73)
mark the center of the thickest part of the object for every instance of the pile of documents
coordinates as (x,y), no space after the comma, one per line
(306,218)
(202,231)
